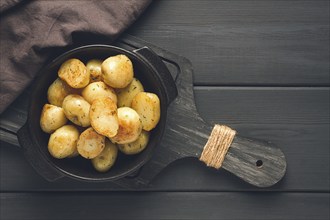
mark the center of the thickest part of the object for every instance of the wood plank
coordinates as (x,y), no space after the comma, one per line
(244,42)
(230,43)
(264,105)
(164,205)
(295,119)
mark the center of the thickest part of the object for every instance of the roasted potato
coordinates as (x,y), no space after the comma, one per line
(52,118)
(129,126)
(74,154)
(109,106)
(94,70)
(90,143)
(126,95)
(103,116)
(107,158)
(137,146)
(147,105)
(76,109)
(97,90)
(74,73)
(57,91)
(63,142)
(117,71)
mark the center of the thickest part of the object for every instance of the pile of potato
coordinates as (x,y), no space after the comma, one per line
(96,109)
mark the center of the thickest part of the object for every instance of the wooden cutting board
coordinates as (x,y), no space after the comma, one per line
(256,162)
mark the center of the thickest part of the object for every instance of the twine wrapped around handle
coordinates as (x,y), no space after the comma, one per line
(215,149)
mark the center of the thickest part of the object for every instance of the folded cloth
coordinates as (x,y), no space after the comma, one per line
(31,31)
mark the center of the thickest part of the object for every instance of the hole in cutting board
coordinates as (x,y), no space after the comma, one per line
(259,163)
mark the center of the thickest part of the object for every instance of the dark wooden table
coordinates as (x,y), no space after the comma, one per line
(261,67)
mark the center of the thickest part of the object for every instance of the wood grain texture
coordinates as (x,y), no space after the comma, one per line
(238,50)
(164,205)
(186,129)
(244,42)
(256,162)
(186,134)
(295,119)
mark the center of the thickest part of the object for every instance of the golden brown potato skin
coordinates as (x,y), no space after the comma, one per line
(57,91)
(117,71)
(98,90)
(74,73)
(52,118)
(107,158)
(130,126)
(74,154)
(103,116)
(63,142)
(76,109)
(109,109)
(147,105)
(137,146)
(90,143)
(94,70)
(126,95)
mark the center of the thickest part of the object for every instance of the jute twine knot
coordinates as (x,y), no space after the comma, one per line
(217,145)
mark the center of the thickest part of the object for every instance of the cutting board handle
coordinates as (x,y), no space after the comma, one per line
(257,162)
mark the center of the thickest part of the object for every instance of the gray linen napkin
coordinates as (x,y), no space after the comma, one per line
(31,31)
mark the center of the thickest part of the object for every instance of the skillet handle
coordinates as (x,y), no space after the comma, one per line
(164,75)
(34,157)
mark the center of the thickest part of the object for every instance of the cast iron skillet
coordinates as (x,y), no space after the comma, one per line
(148,68)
